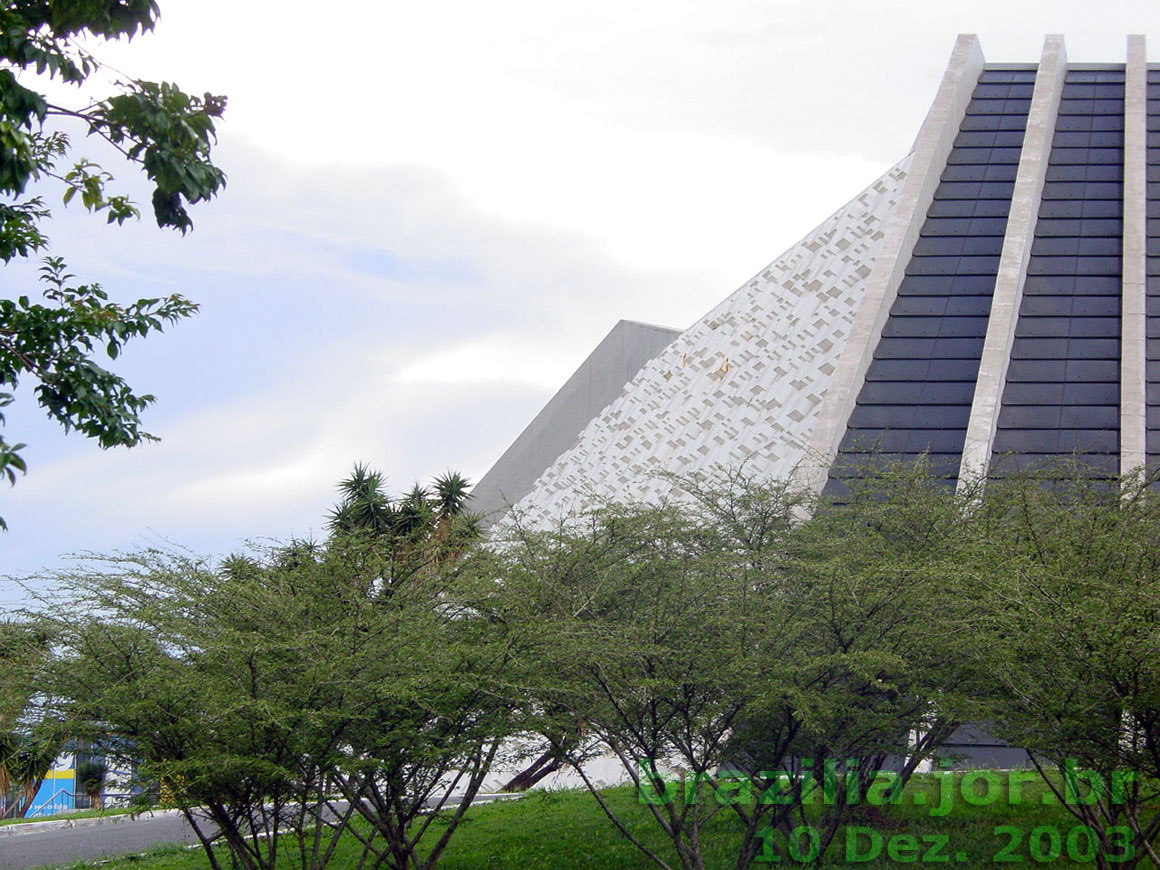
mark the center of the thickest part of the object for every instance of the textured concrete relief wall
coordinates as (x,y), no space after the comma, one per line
(741,385)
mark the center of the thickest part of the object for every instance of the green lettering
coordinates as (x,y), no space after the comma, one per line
(874,846)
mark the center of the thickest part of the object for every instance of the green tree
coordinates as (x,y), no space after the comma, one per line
(449,502)
(26,756)
(90,777)
(870,581)
(722,637)
(409,523)
(217,684)
(1068,580)
(165,132)
(364,504)
(31,735)
(258,690)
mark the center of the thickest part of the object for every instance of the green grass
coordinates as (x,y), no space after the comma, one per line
(171,857)
(568,830)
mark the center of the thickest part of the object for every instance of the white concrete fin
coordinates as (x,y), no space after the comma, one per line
(933,146)
(1133,319)
(1016,253)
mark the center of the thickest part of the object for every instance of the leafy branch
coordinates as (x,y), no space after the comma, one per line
(54,343)
(158,128)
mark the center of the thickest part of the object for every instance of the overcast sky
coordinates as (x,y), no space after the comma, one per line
(436,210)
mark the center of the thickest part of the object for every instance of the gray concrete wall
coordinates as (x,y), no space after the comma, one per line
(598,381)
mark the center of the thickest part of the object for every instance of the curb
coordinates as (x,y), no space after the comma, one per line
(59,824)
(125,818)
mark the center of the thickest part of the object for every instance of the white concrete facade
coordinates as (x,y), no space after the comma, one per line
(742,385)
(599,380)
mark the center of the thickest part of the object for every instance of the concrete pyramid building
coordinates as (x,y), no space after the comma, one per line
(990,298)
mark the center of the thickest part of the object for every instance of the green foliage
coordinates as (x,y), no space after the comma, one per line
(451,494)
(165,132)
(365,503)
(407,524)
(720,633)
(1068,579)
(26,757)
(24,648)
(568,829)
(30,736)
(741,637)
(90,776)
(874,578)
(257,691)
(169,133)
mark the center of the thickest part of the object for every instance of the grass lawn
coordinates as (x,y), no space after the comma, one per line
(568,830)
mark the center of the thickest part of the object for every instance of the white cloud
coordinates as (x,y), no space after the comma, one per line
(491,359)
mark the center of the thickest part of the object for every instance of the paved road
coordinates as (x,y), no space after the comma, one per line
(91,842)
(125,836)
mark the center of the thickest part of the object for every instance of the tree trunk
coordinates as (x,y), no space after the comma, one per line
(543,766)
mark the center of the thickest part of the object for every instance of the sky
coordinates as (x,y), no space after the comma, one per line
(436,210)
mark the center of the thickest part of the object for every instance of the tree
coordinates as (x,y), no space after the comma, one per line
(157,127)
(31,735)
(364,503)
(886,673)
(258,690)
(420,516)
(26,757)
(208,685)
(1068,581)
(91,776)
(721,637)
(431,725)
(449,501)
(646,640)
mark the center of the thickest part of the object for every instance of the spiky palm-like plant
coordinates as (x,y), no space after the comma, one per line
(364,503)
(438,513)
(414,515)
(25,760)
(90,776)
(451,494)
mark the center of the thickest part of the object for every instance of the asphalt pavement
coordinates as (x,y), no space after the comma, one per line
(52,843)
(64,841)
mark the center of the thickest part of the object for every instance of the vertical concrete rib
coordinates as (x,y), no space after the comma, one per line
(1133,342)
(932,147)
(1013,261)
